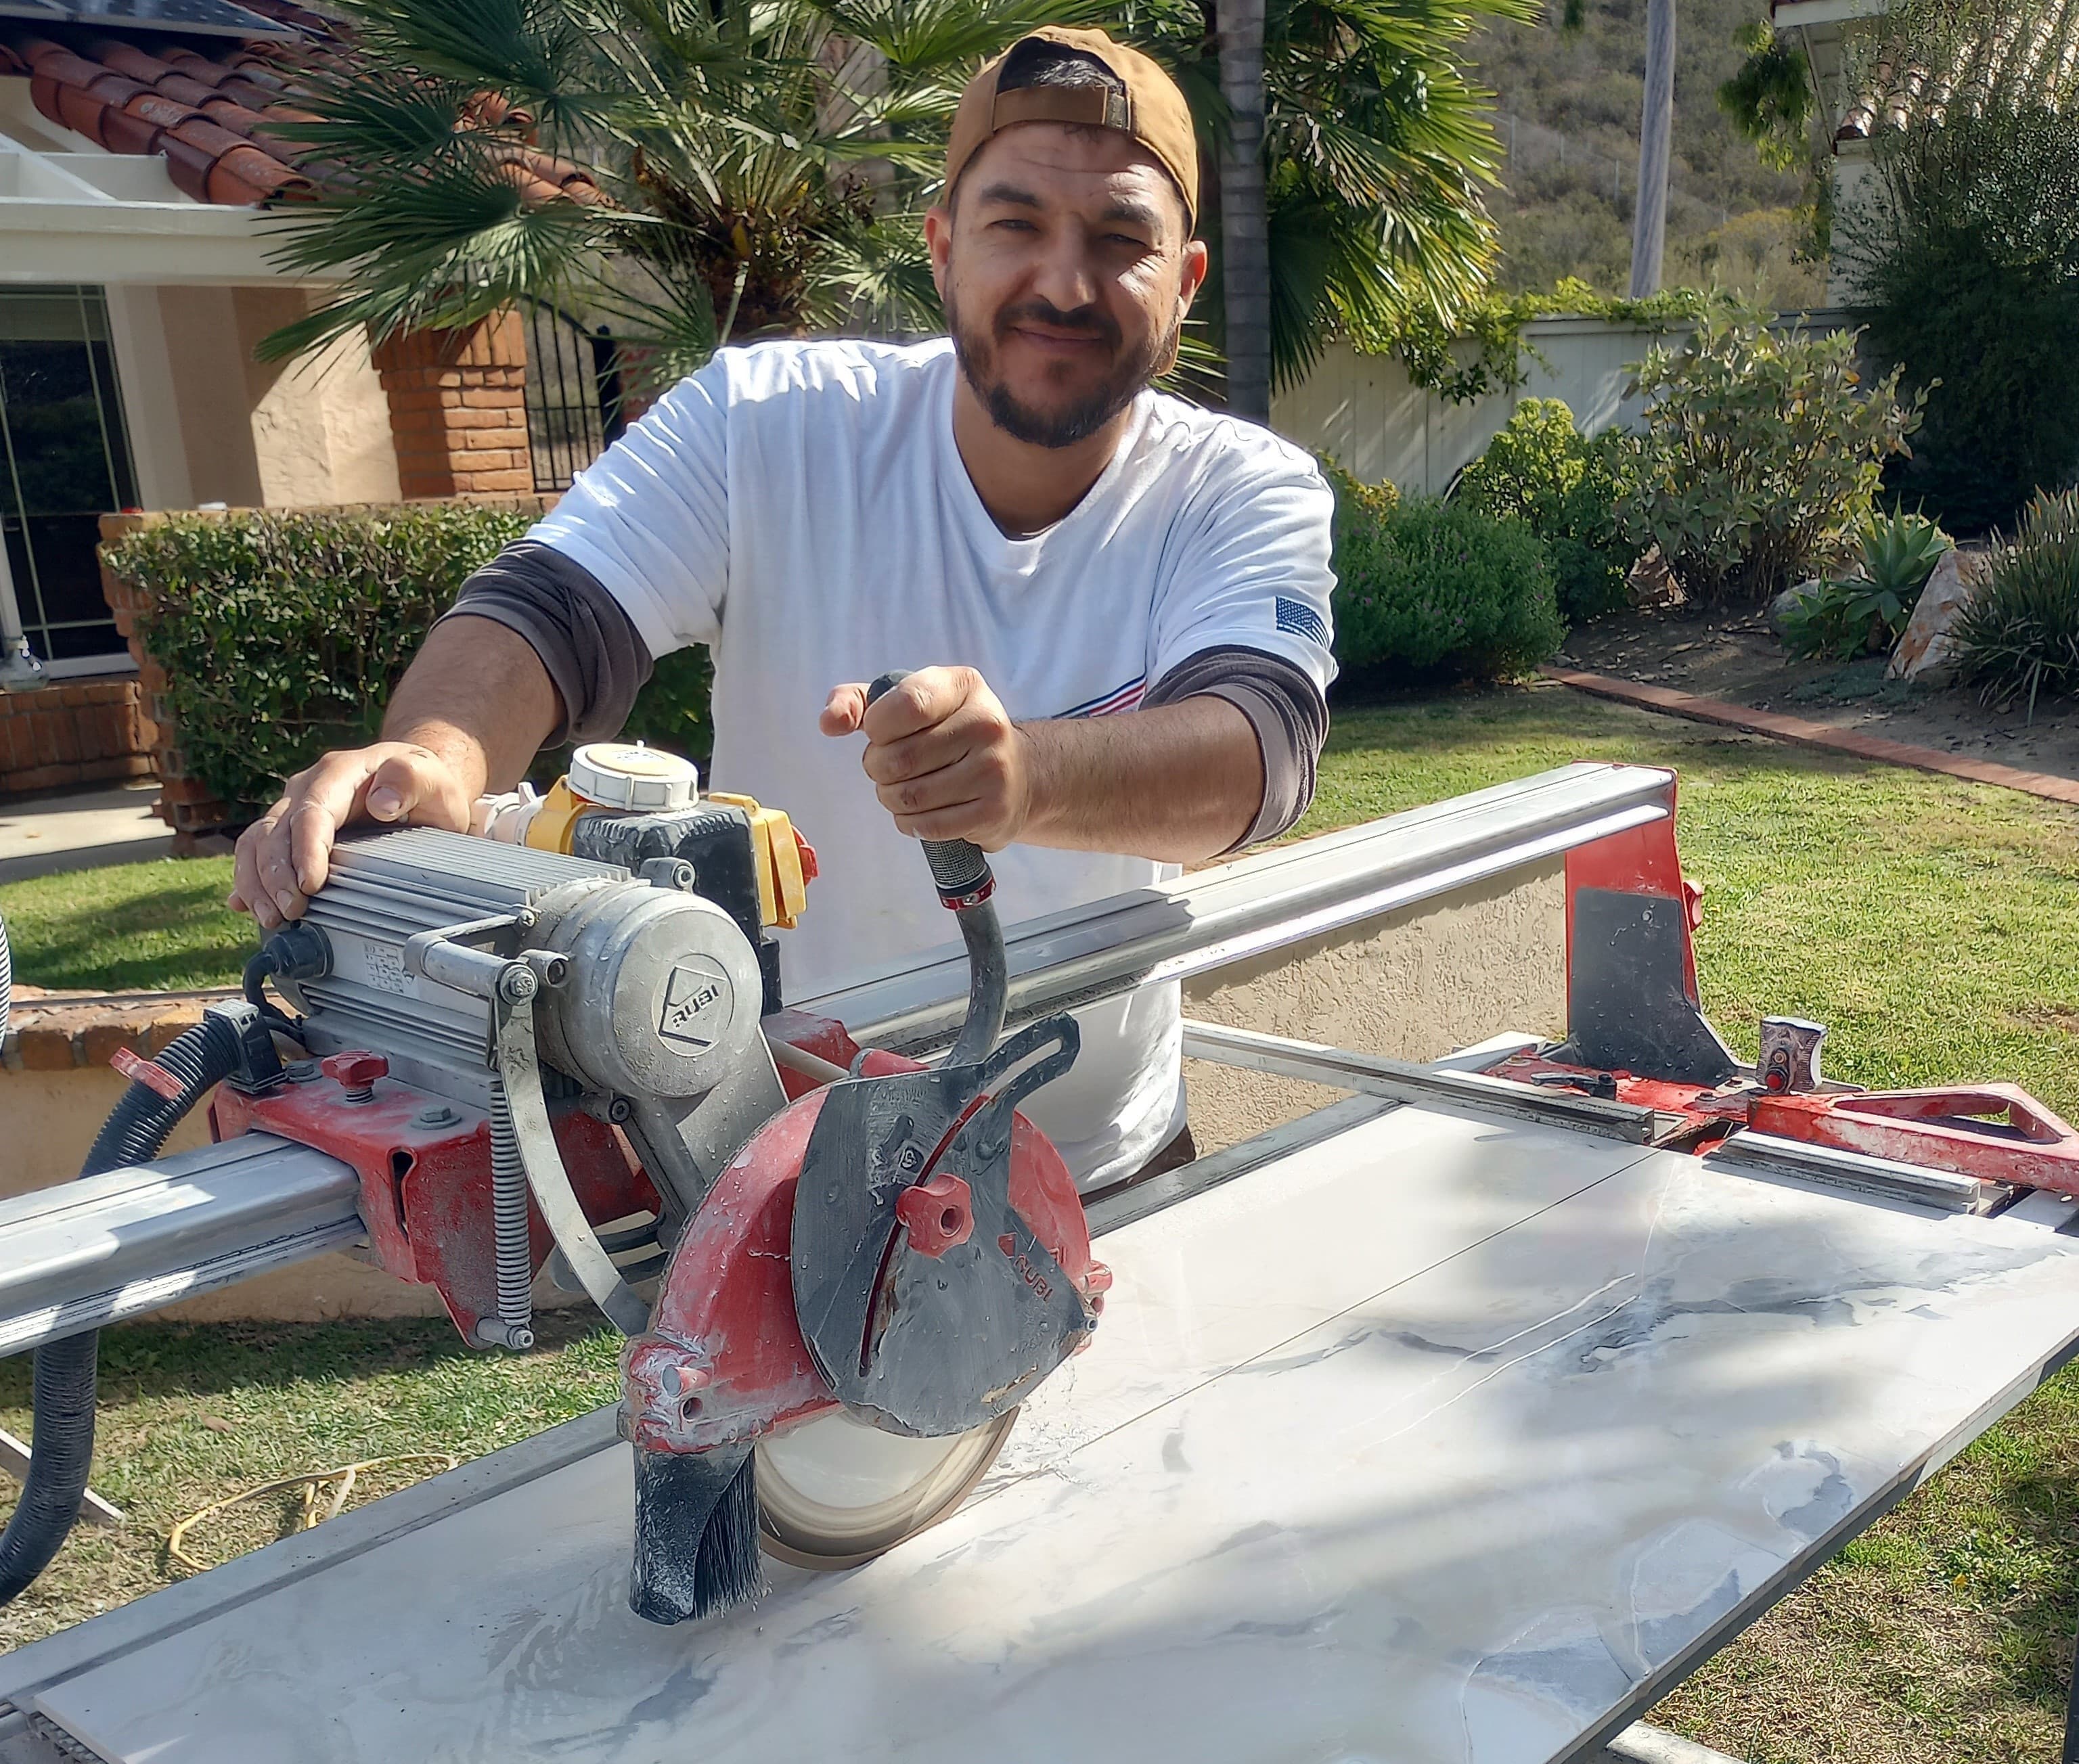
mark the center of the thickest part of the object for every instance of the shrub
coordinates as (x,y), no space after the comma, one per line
(2018,635)
(1760,457)
(1843,619)
(1356,501)
(282,634)
(1964,253)
(1540,469)
(1435,591)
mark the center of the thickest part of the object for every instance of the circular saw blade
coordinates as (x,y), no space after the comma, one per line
(835,1491)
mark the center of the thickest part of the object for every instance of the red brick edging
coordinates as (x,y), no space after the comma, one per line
(62,1032)
(1808,733)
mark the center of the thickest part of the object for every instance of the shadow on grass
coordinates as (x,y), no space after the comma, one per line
(161,1359)
(129,927)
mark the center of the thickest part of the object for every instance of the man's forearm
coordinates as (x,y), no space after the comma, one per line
(1177,784)
(477,695)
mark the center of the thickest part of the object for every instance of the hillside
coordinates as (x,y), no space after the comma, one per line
(1567,107)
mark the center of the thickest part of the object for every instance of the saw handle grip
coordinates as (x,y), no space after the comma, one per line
(959,868)
(965,882)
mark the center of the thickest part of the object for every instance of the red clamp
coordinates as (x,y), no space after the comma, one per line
(938,1213)
(1996,1132)
(147,1073)
(355,1072)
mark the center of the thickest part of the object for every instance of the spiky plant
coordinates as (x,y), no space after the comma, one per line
(2018,635)
(761,169)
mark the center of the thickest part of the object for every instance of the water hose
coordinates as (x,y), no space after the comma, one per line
(62,1449)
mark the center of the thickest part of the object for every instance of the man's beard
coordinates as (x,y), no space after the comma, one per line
(975,353)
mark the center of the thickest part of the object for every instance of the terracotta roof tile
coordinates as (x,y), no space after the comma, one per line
(217,120)
(2017,52)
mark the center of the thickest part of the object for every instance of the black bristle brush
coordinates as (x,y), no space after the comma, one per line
(695,1533)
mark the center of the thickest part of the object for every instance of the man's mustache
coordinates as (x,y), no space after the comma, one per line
(1093,320)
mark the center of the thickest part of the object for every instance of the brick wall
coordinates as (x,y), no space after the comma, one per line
(81,732)
(459,409)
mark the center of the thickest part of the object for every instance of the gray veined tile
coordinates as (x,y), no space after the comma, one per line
(1430,1451)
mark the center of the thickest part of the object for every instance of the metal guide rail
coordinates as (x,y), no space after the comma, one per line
(1212,918)
(91,1253)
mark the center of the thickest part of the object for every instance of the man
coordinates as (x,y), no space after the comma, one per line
(1117,603)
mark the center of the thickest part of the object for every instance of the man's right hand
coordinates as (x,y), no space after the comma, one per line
(284,857)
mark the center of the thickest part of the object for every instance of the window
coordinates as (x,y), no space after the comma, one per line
(64,462)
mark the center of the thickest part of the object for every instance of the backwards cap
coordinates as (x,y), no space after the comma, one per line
(1151,110)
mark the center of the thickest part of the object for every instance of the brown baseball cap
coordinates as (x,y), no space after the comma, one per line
(1151,110)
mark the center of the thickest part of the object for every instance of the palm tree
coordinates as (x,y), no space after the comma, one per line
(1376,154)
(744,168)
(1656,137)
(1656,131)
(1245,215)
(765,168)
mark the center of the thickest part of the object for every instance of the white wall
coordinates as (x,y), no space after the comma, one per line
(209,423)
(1363,409)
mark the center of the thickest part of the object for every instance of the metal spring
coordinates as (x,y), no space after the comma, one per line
(508,1213)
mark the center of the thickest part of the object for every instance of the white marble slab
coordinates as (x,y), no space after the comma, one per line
(1468,1513)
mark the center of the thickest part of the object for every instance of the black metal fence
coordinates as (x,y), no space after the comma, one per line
(574,395)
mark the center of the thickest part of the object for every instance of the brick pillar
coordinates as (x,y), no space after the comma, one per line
(459,408)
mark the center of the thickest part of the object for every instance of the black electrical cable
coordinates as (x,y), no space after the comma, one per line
(62,1450)
(266,963)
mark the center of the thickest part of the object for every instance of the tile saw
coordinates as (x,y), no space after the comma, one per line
(874,1414)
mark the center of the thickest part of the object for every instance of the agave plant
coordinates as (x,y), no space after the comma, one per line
(1842,619)
(766,168)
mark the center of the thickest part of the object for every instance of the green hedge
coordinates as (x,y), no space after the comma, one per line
(1567,488)
(282,634)
(1428,590)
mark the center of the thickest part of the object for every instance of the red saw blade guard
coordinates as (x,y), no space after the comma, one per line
(723,1361)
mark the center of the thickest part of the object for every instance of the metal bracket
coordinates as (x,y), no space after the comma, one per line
(518,1066)
(1373,1076)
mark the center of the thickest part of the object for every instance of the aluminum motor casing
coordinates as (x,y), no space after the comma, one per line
(664,992)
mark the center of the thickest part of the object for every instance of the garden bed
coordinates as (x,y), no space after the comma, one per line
(1733,656)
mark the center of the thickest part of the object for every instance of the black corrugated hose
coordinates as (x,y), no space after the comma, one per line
(62,1450)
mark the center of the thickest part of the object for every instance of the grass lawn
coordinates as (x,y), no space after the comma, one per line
(130,927)
(1931,924)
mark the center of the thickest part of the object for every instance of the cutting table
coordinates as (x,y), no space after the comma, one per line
(1411,1436)
(1455,1423)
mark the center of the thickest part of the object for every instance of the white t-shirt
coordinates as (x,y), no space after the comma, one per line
(802,508)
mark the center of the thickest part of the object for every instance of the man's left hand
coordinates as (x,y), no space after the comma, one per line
(945,757)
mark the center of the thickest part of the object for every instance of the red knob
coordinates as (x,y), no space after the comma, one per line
(939,1215)
(355,1072)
